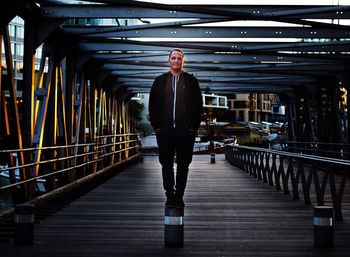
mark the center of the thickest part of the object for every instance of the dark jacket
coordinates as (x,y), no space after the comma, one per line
(160,104)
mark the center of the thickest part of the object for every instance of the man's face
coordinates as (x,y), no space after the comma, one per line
(176,61)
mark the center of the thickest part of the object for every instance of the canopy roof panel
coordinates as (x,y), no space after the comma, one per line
(249,46)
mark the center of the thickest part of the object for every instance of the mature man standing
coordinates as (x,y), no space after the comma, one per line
(175,108)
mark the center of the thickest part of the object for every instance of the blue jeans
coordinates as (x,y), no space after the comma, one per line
(171,141)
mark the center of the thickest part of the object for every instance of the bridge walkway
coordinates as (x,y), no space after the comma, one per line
(228,213)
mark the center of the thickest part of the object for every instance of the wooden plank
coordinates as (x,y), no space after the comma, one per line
(228,213)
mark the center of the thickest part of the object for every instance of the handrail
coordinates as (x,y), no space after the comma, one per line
(297,155)
(59,159)
(44,148)
(294,172)
(93,154)
(63,146)
(341,150)
(60,171)
(117,135)
(316,143)
(117,143)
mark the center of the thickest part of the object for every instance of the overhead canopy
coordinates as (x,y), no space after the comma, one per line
(229,48)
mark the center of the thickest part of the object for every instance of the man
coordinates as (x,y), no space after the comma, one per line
(175,108)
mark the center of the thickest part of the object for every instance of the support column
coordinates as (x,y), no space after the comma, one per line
(69,103)
(14,136)
(28,95)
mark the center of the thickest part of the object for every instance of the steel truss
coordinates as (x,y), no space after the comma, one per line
(76,111)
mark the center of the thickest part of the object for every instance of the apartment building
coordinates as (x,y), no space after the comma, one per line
(250,107)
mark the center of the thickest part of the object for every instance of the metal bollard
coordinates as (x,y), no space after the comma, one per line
(24,224)
(174,227)
(212,157)
(323,226)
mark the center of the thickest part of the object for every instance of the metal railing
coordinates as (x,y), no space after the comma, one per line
(297,173)
(334,150)
(61,165)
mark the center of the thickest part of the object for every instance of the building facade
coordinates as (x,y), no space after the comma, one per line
(250,107)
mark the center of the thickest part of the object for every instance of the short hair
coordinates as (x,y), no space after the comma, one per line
(177,50)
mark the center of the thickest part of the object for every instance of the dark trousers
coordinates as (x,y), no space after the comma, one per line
(171,141)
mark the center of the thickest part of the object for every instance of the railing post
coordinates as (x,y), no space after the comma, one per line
(323,226)
(174,227)
(212,157)
(24,224)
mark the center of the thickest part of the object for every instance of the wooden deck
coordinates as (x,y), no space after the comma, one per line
(228,213)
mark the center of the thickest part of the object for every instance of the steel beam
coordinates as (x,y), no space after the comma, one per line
(225,67)
(15,131)
(272,80)
(310,48)
(202,74)
(217,57)
(199,11)
(213,32)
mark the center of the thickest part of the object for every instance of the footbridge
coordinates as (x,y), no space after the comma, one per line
(70,142)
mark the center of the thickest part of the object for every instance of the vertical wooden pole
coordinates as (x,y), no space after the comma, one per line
(41,118)
(93,102)
(82,133)
(62,125)
(51,130)
(69,103)
(28,95)
(4,118)
(114,126)
(16,132)
(98,126)
(117,127)
(79,87)
(89,117)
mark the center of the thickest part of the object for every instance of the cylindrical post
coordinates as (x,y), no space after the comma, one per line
(323,226)
(174,227)
(212,157)
(24,224)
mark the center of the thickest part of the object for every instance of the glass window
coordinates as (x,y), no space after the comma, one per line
(210,101)
(20,50)
(222,102)
(19,66)
(12,30)
(13,47)
(240,104)
(20,32)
